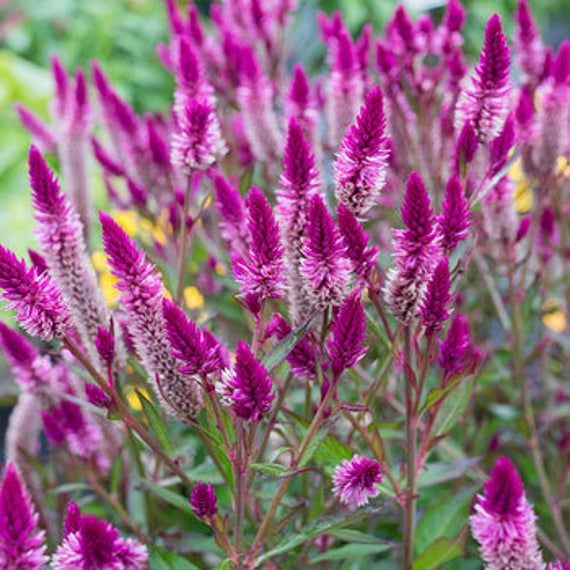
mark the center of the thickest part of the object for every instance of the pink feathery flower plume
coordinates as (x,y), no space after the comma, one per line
(23,358)
(93,543)
(355,481)
(255,99)
(500,219)
(302,356)
(362,160)
(325,267)
(233,214)
(61,237)
(465,148)
(416,252)
(197,349)
(435,308)
(42,134)
(457,352)
(203,500)
(262,273)
(504,523)
(345,88)
(345,345)
(558,565)
(454,220)
(502,144)
(485,103)
(247,387)
(528,44)
(40,308)
(22,543)
(356,240)
(299,181)
(141,296)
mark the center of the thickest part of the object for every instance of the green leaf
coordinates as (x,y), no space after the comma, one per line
(349,535)
(453,407)
(286,345)
(161,559)
(271,469)
(435,473)
(155,421)
(440,551)
(316,442)
(373,325)
(318,528)
(444,519)
(350,551)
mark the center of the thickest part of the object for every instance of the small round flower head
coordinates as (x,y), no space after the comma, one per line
(95,544)
(203,500)
(504,522)
(355,480)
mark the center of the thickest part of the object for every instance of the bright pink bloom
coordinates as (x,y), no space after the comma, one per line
(455,219)
(485,104)
(41,133)
(361,164)
(232,211)
(504,522)
(465,147)
(435,309)
(247,388)
(457,353)
(95,544)
(22,543)
(355,480)
(203,500)
(501,145)
(528,43)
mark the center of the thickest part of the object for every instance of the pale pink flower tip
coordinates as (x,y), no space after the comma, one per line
(355,480)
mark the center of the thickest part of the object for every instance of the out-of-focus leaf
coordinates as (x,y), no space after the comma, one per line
(440,551)
(350,551)
(435,473)
(453,407)
(349,535)
(271,469)
(162,559)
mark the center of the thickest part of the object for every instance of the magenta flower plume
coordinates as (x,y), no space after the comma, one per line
(360,167)
(247,388)
(93,543)
(141,295)
(465,148)
(22,543)
(38,261)
(457,352)
(106,345)
(103,157)
(299,181)
(190,79)
(435,308)
(197,142)
(203,500)
(558,565)
(454,16)
(500,219)
(355,480)
(262,273)
(39,306)
(41,133)
(61,237)
(455,219)
(504,522)
(345,87)
(302,356)
(528,43)
(325,267)
(197,349)
(356,241)
(345,345)
(301,107)
(416,252)
(501,145)
(232,211)
(485,103)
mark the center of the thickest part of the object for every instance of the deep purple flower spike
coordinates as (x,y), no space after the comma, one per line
(465,148)
(529,48)
(360,167)
(485,103)
(355,480)
(141,295)
(203,500)
(94,543)
(501,145)
(454,220)
(41,133)
(21,541)
(233,215)
(262,273)
(105,343)
(345,345)
(247,388)
(504,522)
(435,308)
(457,352)
(40,308)
(325,267)
(197,349)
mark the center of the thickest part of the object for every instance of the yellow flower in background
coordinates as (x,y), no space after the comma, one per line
(193,298)
(562,167)
(128,220)
(523,188)
(553,315)
(107,282)
(133,398)
(221,269)
(99,260)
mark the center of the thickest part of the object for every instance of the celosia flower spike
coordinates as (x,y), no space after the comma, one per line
(454,220)
(232,211)
(465,148)
(457,353)
(94,543)
(485,103)
(355,480)
(262,273)
(203,500)
(360,167)
(345,345)
(197,349)
(21,541)
(247,388)
(325,266)
(529,49)
(39,306)
(435,305)
(504,522)
(42,135)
